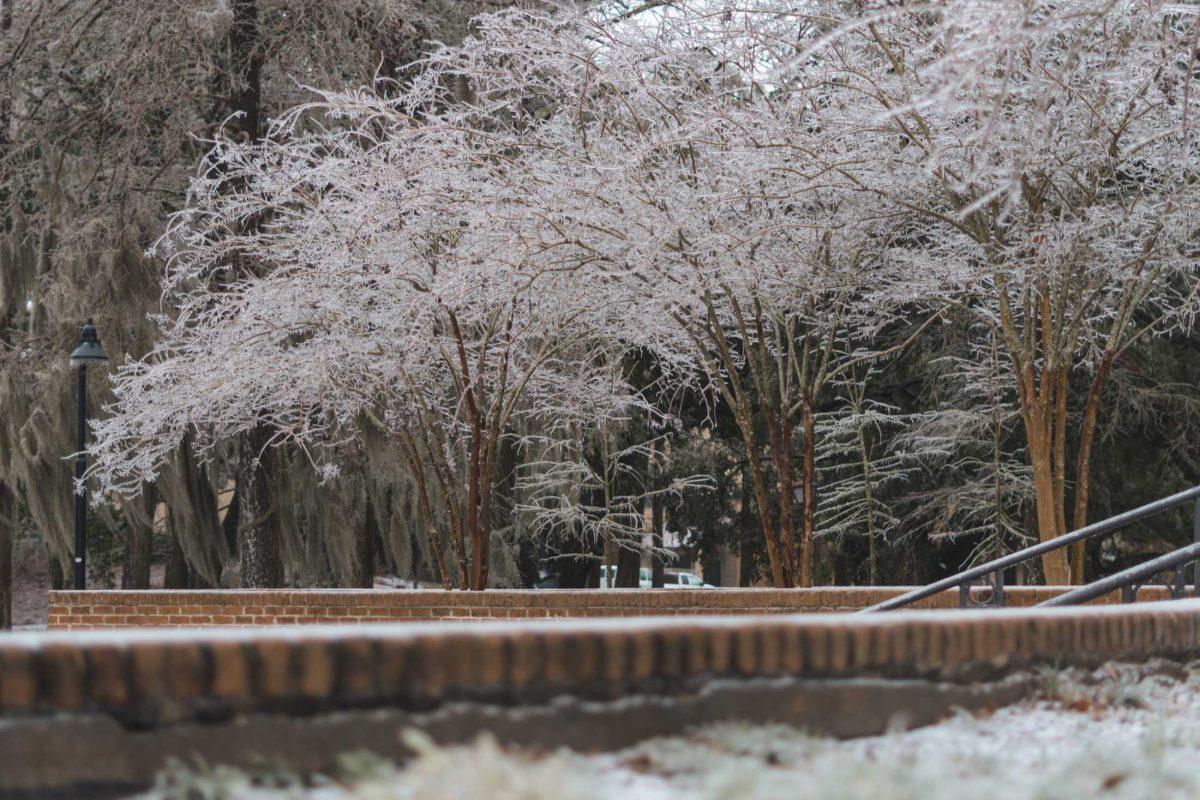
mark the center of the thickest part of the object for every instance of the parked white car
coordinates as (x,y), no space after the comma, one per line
(684,580)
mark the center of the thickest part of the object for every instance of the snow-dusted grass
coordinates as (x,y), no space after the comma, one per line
(1122,732)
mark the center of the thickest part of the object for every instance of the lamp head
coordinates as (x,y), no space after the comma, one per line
(89,350)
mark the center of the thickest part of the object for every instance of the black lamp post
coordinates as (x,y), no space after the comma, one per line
(88,352)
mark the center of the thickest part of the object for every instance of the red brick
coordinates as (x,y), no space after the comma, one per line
(272,661)
(108,671)
(18,679)
(186,672)
(356,663)
(147,662)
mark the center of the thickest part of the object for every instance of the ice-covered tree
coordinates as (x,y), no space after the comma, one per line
(666,154)
(367,294)
(1052,149)
(105,110)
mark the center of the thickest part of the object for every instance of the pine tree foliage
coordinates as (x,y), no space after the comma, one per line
(864,472)
(978,485)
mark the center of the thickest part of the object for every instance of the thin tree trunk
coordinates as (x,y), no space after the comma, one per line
(657,521)
(868,497)
(779,434)
(658,567)
(1083,464)
(8,525)
(477,571)
(416,466)
(629,560)
(746,524)
(810,495)
(1060,462)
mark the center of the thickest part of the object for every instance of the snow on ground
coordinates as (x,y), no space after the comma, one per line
(1123,732)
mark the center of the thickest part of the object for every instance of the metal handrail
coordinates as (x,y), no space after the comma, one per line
(1128,577)
(997,566)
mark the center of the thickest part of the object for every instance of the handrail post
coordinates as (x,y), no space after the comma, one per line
(996,599)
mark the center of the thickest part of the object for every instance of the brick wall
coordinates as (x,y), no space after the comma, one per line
(153,677)
(110,609)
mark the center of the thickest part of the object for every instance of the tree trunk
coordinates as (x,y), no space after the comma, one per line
(780,433)
(246,51)
(259,536)
(1036,389)
(8,527)
(629,560)
(1055,567)
(188,492)
(629,568)
(582,572)
(229,523)
(1083,464)
(864,447)
(139,541)
(368,532)
(475,573)
(810,495)
(658,514)
(658,525)
(176,575)
(1060,464)
(779,572)
(58,580)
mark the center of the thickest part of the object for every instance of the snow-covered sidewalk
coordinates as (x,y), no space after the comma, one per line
(1120,732)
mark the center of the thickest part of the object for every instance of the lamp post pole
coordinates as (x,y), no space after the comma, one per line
(87,352)
(80,492)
